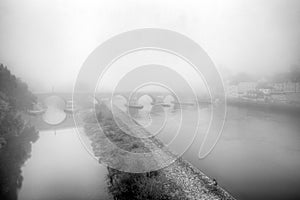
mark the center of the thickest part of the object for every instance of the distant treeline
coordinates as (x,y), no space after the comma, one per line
(15,135)
(291,75)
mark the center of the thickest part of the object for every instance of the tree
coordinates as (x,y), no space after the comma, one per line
(18,136)
(19,97)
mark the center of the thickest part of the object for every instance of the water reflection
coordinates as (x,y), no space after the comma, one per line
(257,157)
(60,168)
(55,110)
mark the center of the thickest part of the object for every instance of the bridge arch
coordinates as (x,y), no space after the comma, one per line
(170,99)
(146,101)
(42,97)
(54,114)
(146,95)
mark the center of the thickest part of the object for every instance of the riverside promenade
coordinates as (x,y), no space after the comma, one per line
(191,183)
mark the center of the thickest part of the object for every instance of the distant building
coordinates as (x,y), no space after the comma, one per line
(280,98)
(278,87)
(298,87)
(252,94)
(286,87)
(286,92)
(232,91)
(289,87)
(256,95)
(245,87)
(266,90)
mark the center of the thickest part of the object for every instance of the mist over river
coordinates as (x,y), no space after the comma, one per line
(257,156)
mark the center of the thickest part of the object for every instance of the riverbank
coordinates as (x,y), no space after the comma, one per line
(16,136)
(265,106)
(179,180)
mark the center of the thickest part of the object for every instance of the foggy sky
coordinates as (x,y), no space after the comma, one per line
(46,42)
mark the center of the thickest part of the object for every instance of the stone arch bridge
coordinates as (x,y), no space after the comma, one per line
(157,99)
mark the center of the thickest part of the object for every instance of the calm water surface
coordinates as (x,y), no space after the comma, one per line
(60,168)
(257,156)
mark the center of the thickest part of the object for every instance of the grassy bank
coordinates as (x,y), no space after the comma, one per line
(177,181)
(125,185)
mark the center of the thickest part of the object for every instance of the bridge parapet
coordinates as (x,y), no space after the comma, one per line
(155,97)
(41,97)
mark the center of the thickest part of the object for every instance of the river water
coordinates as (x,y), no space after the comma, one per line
(61,168)
(257,156)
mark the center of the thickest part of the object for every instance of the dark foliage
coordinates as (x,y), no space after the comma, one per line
(15,135)
(17,92)
(139,186)
(135,186)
